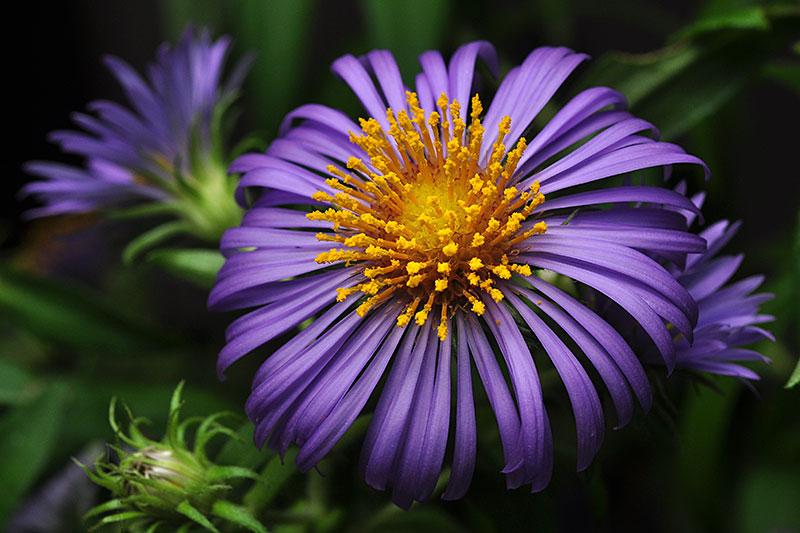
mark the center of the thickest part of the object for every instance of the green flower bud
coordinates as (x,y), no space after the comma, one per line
(168,482)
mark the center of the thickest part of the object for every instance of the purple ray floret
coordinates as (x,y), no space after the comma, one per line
(728,313)
(432,242)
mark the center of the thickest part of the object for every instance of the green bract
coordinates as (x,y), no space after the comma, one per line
(169,484)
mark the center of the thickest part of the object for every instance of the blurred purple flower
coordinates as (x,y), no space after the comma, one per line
(728,314)
(439,226)
(166,150)
(60,503)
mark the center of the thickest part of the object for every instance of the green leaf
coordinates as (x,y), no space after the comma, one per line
(151,238)
(237,515)
(16,383)
(388,25)
(678,86)
(742,18)
(198,265)
(28,436)
(768,500)
(785,73)
(187,510)
(71,315)
(277,31)
(794,379)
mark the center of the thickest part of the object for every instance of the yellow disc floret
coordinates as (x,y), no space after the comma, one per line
(424,218)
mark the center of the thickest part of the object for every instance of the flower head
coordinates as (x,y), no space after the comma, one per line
(415,238)
(165,152)
(728,312)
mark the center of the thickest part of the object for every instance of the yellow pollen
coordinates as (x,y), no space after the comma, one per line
(422,196)
(413,267)
(450,249)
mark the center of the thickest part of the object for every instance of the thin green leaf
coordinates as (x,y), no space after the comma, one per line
(28,436)
(388,24)
(677,87)
(741,18)
(121,517)
(72,316)
(794,379)
(197,265)
(784,72)
(152,238)
(237,515)
(16,383)
(277,31)
(154,527)
(187,510)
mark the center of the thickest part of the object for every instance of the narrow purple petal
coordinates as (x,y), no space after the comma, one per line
(350,69)
(389,78)
(466,431)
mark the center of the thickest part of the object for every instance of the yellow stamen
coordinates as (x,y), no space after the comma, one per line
(422,198)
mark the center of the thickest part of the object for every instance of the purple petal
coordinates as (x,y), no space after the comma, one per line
(466,431)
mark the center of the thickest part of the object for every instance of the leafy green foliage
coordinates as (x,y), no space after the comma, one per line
(71,316)
(710,62)
(29,435)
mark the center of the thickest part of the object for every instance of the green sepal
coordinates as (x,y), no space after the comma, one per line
(119,517)
(187,510)
(197,265)
(220,473)
(151,238)
(173,424)
(237,515)
(111,505)
(208,435)
(794,379)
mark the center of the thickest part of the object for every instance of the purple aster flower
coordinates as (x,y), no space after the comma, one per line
(166,151)
(727,314)
(435,220)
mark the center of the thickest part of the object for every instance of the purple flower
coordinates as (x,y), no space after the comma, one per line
(435,219)
(165,151)
(727,313)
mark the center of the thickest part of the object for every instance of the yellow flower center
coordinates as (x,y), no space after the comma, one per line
(431,223)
